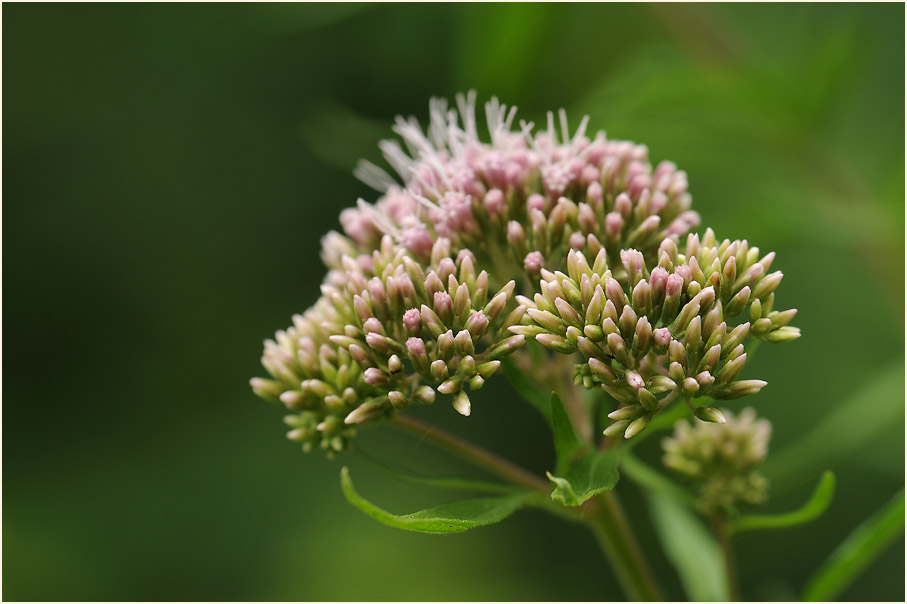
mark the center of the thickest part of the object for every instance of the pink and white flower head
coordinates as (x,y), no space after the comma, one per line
(467,189)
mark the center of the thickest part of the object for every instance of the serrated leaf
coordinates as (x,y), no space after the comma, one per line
(443,519)
(691,548)
(565,441)
(586,478)
(812,509)
(857,552)
(531,392)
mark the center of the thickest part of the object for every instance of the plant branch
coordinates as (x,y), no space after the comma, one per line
(474,454)
(722,531)
(610,526)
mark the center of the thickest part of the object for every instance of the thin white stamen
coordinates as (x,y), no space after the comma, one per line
(373,176)
(565,133)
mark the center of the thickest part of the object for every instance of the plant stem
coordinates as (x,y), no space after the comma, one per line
(723,535)
(474,454)
(603,513)
(610,526)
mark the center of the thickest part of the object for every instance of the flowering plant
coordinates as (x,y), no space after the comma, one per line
(571,264)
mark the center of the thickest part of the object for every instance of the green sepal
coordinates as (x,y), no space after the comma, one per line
(809,511)
(443,519)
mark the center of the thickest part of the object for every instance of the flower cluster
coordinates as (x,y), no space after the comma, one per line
(519,201)
(722,459)
(421,296)
(381,332)
(666,331)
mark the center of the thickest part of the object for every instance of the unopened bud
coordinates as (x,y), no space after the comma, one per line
(710,414)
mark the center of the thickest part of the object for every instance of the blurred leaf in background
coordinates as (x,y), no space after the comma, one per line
(168,172)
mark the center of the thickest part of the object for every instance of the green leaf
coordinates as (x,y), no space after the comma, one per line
(691,548)
(812,509)
(531,392)
(443,519)
(565,441)
(441,483)
(857,552)
(589,476)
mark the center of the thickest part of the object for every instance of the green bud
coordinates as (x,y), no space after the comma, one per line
(783,334)
(461,403)
(594,308)
(736,305)
(738,389)
(762,326)
(530,331)
(710,358)
(616,428)
(463,343)
(439,370)
(602,371)
(365,412)
(548,320)
(506,347)
(710,414)
(647,399)
(568,313)
(451,386)
(556,343)
(690,387)
(736,336)
(486,370)
(618,349)
(627,413)
(643,336)
(397,399)
(767,284)
(636,426)
(627,322)
(425,395)
(267,389)
(659,384)
(690,310)
(594,333)
(782,318)
(431,321)
(730,370)
(728,276)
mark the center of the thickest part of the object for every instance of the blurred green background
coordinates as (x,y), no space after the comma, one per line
(169,169)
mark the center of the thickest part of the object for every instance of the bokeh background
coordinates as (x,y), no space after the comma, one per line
(168,171)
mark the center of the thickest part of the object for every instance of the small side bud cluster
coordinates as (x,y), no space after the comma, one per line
(722,459)
(388,336)
(651,334)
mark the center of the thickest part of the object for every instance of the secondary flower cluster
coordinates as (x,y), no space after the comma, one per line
(420,295)
(666,331)
(722,459)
